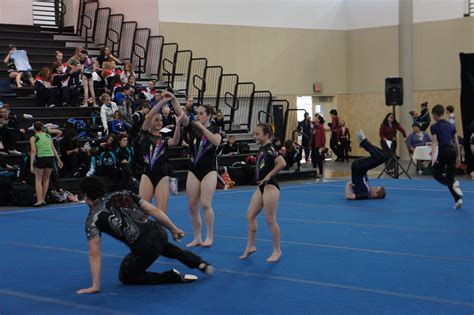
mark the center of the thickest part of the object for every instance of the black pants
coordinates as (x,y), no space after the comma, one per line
(306,148)
(389,152)
(155,243)
(317,159)
(446,163)
(361,166)
(48,96)
(334,146)
(344,149)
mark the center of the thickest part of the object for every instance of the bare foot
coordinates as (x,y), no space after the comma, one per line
(248,251)
(207,242)
(274,257)
(194,243)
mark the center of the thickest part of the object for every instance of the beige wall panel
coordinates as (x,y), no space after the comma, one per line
(285,61)
(371,56)
(436,52)
(366,112)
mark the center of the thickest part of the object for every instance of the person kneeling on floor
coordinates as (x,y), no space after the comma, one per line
(125,217)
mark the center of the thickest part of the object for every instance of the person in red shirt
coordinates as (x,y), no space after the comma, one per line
(388,136)
(334,125)
(318,143)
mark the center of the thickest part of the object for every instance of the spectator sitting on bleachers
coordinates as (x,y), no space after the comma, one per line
(277,144)
(168,118)
(127,72)
(69,149)
(13,72)
(119,125)
(231,147)
(105,56)
(45,91)
(7,170)
(10,131)
(293,155)
(138,117)
(61,79)
(107,161)
(107,111)
(124,101)
(132,83)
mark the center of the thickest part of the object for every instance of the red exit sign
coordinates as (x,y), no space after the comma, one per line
(318,87)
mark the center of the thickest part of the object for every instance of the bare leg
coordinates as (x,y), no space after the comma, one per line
(162,192)
(46,176)
(92,91)
(271,196)
(255,206)
(85,83)
(39,185)
(193,190)
(145,191)
(208,187)
(18,79)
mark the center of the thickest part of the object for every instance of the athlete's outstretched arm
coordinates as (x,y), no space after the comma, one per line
(162,218)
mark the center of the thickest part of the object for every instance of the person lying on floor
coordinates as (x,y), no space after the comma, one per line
(359,188)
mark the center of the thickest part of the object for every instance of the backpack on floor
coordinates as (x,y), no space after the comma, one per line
(5,191)
(23,195)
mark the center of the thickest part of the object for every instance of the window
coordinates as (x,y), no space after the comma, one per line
(306,103)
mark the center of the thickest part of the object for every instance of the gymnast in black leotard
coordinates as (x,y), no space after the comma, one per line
(202,176)
(269,163)
(154,150)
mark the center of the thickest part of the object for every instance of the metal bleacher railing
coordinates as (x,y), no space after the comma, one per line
(153,58)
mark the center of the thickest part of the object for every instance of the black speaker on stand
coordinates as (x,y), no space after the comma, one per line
(394,97)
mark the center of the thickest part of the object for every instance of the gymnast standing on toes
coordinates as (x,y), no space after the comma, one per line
(202,176)
(358,187)
(125,217)
(269,163)
(154,149)
(445,140)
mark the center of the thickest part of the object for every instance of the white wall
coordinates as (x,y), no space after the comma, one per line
(308,14)
(16,12)
(435,10)
(144,12)
(371,13)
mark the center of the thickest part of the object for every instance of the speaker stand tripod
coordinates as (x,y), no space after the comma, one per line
(398,168)
(393,160)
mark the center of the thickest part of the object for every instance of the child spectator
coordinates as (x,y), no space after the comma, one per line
(107,111)
(118,124)
(124,160)
(127,72)
(88,69)
(231,146)
(45,91)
